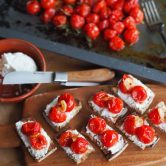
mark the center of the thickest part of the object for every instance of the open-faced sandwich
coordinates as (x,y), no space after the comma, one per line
(107,139)
(134,93)
(157,116)
(137,130)
(75,145)
(107,106)
(36,140)
(61,110)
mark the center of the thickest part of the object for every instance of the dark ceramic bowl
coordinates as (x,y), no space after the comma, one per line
(8,92)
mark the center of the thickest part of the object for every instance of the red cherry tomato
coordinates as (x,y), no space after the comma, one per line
(69,100)
(126,84)
(103,24)
(110,2)
(83,10)
(47,16)
(118,5)
(92,30)
(30,128)
(33,7)
(66,139)
(115,16)
(99,6)
(145,134)
(77,21)
(105,13)
(69,2)
(97,125)
(100,98)
(79,146)
(154,116)
(46,4)
(92,18)
(139,94)
(89,2)
(131,36)
(59,20)
(115,105)
(129,23)
(109,138)
(116,43)
(67,10)
(109,34)
(137,14)
(57,116)
(38,141)
(130,4)
(118,27)
(130,124)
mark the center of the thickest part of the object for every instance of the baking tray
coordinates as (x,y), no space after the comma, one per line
(147,58)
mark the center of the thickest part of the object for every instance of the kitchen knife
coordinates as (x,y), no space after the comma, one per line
(93,76)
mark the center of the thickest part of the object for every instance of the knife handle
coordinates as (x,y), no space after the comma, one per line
(95,75)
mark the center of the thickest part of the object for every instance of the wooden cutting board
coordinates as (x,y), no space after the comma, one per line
(131,156)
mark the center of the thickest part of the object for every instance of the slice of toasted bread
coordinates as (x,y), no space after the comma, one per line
(112,152)
(70,115)
(78,158)
(38,155)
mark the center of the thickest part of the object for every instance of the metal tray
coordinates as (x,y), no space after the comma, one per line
(146,58)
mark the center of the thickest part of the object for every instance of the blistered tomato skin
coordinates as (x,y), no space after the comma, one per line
(65,139)
(103,24)
(109,138)
(83,10)
(97,125)
(92,18)
(47,16)
(57,116)
(129,22)
(69,100)
(139,94)
(47,4)
(80,145)
(154,116)
(33,7)
(30,128)
(109,34)
(59,20)
(118,27)
(38,141)
(145,134)
(77,21)
(116,43)
(115,105)
(137,14)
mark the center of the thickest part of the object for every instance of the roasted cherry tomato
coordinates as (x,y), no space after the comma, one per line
(67,10)
(69,100)
(103,24)
(129,23)
(118,27)
(110,3)
(100,99)
(154,116)
(83,10)
(77,21)
(57,116)
(48,14)
(59,20)
(66,139)
(30,128)
(126,84)
(92,30)
(33,7)
(118,5)
(139,94)
(115,105)
(92,18)
(116,15)
(79,146)
(69,2)
(46,4)
(99,6)
(105,13)
(109,138)
(145,134)
(130,4)
(131,123)
(97,125)
(38,141)
(109,34)
(137,14)
(116,43)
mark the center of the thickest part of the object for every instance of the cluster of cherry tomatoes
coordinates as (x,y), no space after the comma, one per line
(33,131)
(115,20)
